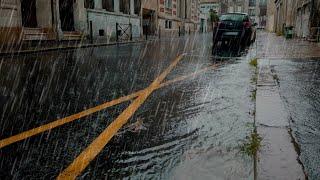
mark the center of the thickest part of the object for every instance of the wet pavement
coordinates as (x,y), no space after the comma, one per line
(297,75)
(189,129)
(299,89)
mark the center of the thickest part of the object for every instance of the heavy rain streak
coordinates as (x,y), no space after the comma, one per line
(160,89)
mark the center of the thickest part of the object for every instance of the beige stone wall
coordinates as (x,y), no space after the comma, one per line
(150,4)
(271,8)
(10,13)
(44,13)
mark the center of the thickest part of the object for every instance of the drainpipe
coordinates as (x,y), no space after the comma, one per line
(52,15)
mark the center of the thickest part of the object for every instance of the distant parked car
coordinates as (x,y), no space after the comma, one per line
(234,26)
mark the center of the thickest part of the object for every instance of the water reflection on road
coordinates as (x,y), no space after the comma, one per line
(188,130)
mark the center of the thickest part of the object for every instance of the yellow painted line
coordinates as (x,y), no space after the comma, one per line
(83,160)
(60,122)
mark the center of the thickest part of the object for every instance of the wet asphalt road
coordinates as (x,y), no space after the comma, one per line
(191,129)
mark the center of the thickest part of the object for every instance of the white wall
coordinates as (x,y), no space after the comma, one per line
(10,13)
(107,21)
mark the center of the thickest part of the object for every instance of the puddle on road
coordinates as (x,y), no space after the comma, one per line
(194,130)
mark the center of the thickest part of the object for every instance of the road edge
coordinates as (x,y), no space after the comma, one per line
(79,46)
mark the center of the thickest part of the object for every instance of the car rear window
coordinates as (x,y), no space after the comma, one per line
(232,17)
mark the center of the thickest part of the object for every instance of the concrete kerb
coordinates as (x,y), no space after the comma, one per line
(277,158)
(22,52)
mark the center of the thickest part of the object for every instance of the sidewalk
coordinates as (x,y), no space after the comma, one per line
(34,47)
(271,46)
(279,157)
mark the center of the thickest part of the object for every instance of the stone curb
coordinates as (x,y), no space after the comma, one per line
(277,158)
(67,48)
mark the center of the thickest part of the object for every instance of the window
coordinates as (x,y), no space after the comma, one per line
(252,2)
(168,24)
(108,5)
(263,3)
(89,4)
(252,12)
(239,9)
(125,6)
(169,4)
(137,6)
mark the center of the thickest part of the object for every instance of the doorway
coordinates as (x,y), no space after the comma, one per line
(148,20)
(66,15)
(29,13)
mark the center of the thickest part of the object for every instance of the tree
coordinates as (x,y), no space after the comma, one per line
(213,17)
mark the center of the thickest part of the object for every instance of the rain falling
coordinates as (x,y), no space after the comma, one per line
(160,89)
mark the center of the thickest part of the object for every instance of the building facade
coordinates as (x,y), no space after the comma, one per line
(205,7)
(170,18)
(271,12)
(240,6)
(257,10)
(66,19)
(307,21)
(108,20)
(99,20)
(302,15)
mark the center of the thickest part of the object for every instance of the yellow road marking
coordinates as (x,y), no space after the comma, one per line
(60,122)
(83,160)
(54,124)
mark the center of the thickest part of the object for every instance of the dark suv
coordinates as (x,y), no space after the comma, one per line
(234,26)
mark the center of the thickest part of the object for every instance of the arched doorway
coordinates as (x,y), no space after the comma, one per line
(66,15)
(29,13)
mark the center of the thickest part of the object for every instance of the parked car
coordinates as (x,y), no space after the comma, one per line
(234,26)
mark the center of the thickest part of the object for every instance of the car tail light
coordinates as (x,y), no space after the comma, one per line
(247,24)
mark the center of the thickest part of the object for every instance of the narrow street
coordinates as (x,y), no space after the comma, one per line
(193,123)
(161,109)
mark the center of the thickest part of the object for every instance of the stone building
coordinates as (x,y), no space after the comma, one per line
(257,10)
(285,14)
(240,6)
(307,22)
(106,17)
(271,11)
(302,15)
(27,20)
(22,20)
(101,20)
(178,17)
(169,18)
(205,7)
(150,17)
